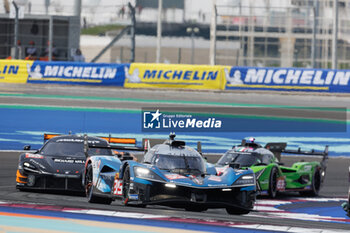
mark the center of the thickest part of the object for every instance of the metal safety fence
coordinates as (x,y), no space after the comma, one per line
(282,33)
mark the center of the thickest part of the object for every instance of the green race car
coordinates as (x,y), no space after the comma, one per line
(272,177)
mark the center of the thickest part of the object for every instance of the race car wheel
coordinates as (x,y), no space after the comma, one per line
(315,184)
(196,208)
(126,185)
(273,183)
(126,189)
(89,187)
(236,211)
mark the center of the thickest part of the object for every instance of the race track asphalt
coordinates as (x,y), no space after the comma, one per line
(336,184)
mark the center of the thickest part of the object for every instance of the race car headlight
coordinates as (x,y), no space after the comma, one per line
(140,171)
(258,173)
(246,179)
(170,185)
(145,173)
(28,165)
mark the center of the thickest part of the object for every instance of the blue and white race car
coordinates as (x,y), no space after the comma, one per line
(170,174)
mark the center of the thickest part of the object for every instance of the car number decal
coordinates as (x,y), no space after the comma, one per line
(118,187)
(281,184)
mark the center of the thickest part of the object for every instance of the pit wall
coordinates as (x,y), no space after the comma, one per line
(200,77)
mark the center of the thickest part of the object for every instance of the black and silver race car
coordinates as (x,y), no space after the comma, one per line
(59,163)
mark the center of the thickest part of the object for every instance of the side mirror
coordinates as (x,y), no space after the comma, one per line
(26,147)
(127,156)
(235,165)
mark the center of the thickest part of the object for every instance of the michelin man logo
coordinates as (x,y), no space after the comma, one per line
(235,80)
(151,120)
(36,73)
(134,77)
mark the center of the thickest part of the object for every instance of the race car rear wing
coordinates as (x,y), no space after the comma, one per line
(115,147)
(109,139)
(126,156)
(49,136)
(279,148)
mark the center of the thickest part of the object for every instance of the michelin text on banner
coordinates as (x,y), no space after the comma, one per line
(14,71)
(77,73)
(141,75)
(287,79)
(18,71)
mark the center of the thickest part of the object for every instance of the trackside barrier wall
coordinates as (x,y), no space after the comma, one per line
(142,75)
(287,79)
(12,71)
(19,71)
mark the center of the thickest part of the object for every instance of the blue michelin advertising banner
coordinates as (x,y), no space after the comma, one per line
(288,79)
(76,73)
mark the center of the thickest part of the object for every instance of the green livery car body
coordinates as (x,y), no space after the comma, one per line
(271,175)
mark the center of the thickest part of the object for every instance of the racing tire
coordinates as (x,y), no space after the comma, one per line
(196,208)
(315,184)
(126,189)
(126,185)
(236,211)
(273,183)
(89,187)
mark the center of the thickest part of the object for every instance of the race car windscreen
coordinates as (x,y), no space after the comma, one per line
(71,149)
(244,159)
(180,164)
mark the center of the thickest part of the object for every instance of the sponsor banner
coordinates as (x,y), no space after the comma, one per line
(14,71)
(76,73)
(287,79)
(141,75)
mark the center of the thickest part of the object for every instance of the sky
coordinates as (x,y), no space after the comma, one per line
(106,11)
(93,9)
(67,5)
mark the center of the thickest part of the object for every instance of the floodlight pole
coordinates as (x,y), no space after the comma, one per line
(313,43)
(16,30)
(77,13)
(315,9)
(77,8)
(47,4)
(132,31)
(50,38)
(159,30)
(335,35)
(212,50)
(192,46)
